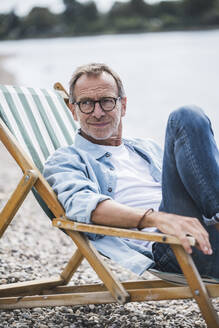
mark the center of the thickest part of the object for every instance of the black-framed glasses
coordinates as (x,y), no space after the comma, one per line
(106,103)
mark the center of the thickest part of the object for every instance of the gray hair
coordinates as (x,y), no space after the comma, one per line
(94,69)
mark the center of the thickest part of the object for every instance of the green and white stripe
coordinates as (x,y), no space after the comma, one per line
(38,118)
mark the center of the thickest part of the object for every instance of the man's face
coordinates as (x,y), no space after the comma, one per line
(99,126)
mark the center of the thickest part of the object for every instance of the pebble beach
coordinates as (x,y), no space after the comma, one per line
(31,249)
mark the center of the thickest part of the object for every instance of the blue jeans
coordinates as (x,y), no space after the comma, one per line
(190,184)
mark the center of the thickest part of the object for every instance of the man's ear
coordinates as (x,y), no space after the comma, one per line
(72,108)
(123,103)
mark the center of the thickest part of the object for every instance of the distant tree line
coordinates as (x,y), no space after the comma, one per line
(133,16)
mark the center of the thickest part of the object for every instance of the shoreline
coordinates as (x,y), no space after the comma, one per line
(6,77)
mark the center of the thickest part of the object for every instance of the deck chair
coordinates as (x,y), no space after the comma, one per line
(33,123)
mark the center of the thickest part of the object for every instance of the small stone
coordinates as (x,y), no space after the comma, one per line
(70,311)
(38,310)
(78,312)
(92,306)
(3,281)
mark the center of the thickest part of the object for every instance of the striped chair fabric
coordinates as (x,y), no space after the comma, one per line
(38,118)
(40,121)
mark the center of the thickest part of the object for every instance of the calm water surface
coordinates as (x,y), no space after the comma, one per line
(161,71)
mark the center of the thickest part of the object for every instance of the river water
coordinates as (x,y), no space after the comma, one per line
(160,71)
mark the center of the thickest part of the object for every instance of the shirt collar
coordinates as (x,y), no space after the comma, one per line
(88,146)
(96,150)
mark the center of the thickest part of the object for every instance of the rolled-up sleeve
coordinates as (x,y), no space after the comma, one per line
(76,189)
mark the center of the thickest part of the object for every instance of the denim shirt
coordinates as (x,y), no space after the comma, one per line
(82,176)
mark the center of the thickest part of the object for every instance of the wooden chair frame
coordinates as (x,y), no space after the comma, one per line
(55,292)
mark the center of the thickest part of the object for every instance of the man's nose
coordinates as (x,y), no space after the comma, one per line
(98,112)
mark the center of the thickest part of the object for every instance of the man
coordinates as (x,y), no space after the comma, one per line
(105,179)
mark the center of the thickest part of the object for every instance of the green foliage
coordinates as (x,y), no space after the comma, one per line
(124,17)
(40,22)
(169,22)
(9,26)
(129,25)
(166,8)
(136,8)
(195,8)
(80,18)
(139,8)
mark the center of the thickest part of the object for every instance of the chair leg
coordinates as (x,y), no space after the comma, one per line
(97,263)
(16,199)
(72,266)
(197,287)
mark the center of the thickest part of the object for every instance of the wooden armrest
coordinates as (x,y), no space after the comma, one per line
(66,224)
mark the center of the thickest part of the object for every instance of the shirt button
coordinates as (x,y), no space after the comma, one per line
(108,154)
(110,189)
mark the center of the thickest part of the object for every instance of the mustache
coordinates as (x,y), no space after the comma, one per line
(102,119)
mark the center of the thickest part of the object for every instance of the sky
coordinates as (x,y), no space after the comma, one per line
(22,7)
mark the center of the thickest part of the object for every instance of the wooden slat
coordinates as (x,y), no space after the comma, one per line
(128,285)
(59,87)
(198,288)
(97,294)
(56,300)
(103,297)
(55,286)
(64,223)
(16,199)
(72,266)
(32,286)
(213,289)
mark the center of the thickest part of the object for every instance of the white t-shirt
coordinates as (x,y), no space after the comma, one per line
(135,186)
